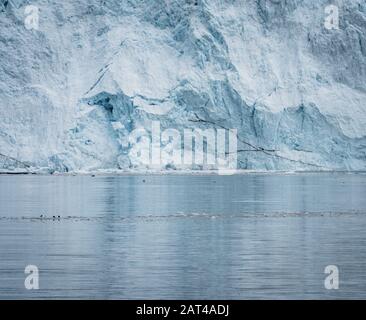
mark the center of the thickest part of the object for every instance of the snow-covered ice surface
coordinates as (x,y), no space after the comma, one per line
(72,91)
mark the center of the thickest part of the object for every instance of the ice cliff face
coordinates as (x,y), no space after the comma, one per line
(72,91)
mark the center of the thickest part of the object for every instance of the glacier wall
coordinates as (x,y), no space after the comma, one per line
(72,91)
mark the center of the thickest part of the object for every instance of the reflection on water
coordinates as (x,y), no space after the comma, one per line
(183,237)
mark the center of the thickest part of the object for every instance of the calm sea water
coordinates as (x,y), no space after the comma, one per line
(183,237)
